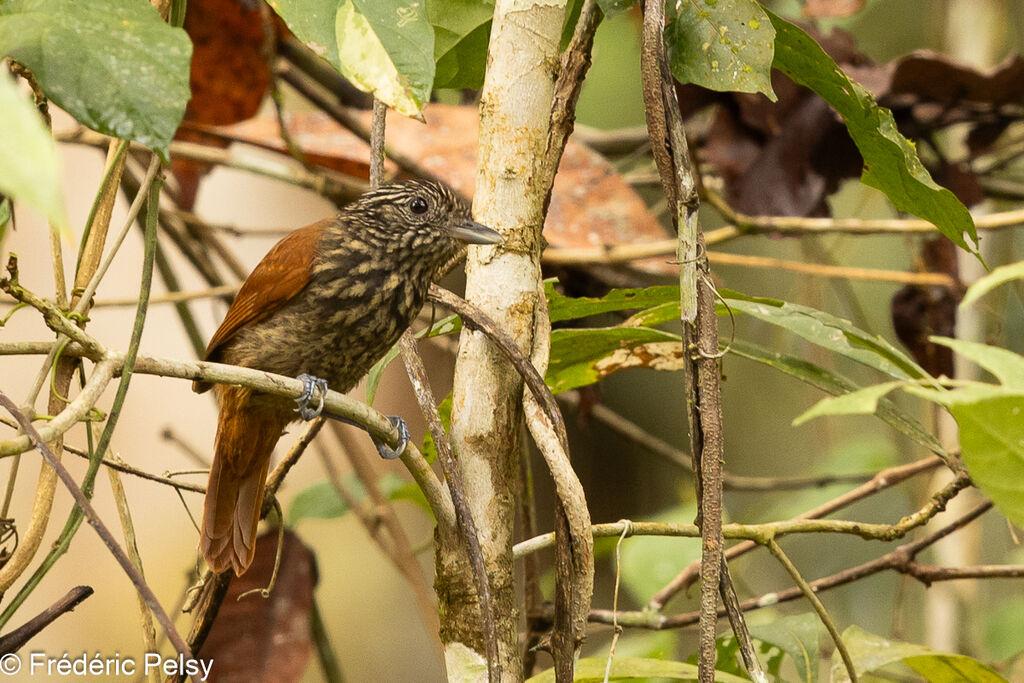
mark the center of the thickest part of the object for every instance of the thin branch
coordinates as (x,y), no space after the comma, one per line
(463,514)
(898,560)
(474,318)
(108,539)
(323,181)
(14,640)
(574,555)
(375,423)
(884,479)
(819,608)
(766,531)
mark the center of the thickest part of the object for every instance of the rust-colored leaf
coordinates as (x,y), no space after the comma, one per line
(258,639)
(232,50)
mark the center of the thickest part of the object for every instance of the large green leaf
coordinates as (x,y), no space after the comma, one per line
(1006,366)
(462,29)
(891,163)
(797,636)
(592,670)
(581,357)
(992,447)
(29,170)
(991,424)
(721,45)
(384,47)
(570,308)
(871,653)
(829,332)
(401,71)
(114,65)
(312,21)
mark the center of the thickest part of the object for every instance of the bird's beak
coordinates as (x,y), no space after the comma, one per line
(472,232)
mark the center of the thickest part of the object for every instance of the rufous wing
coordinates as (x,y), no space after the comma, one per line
(280,276)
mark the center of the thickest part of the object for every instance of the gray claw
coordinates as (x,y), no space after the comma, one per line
(403,439)
(310,385)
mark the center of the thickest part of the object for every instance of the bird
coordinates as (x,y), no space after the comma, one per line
(324,304)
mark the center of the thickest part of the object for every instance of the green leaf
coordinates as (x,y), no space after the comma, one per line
(836,384)
(377,371)
(386,47)
(462,29)
(1006,366)
(312,21)
(861,402)
(797,636)
(721,45)
(871,653)
(829,332)
(444,410)
(992,447)
(570,308)
(581,357)
(942,668)
(29,170)
(991,421)
(592,670)
(321,500)
(891,163)
(114,65)
(999,276)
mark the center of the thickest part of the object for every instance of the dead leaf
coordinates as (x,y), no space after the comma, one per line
(265,639)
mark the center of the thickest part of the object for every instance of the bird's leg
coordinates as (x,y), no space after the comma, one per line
(312,385)
(403,439)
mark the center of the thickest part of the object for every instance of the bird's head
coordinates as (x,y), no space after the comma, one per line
(417,217)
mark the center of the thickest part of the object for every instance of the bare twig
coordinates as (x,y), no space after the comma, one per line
(881,481)
(15,639)
(101,529)
(899,559)
(453,475)
(819,608)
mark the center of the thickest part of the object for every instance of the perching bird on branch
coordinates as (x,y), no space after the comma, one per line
(323,305)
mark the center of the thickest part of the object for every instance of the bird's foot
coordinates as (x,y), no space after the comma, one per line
(311,387)
(403,439)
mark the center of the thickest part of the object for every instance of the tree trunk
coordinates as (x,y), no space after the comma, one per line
(504,281)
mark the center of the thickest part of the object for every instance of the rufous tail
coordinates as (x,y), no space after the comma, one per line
(246,434)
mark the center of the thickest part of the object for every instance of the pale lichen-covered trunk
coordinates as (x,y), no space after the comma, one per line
(504,281)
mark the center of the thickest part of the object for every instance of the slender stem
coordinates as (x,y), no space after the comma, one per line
(325,654)
(101,529)
(816,603)
(453,475)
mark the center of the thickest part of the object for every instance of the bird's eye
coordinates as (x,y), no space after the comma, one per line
(418,205)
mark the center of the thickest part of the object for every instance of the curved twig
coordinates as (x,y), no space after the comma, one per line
(94,520)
